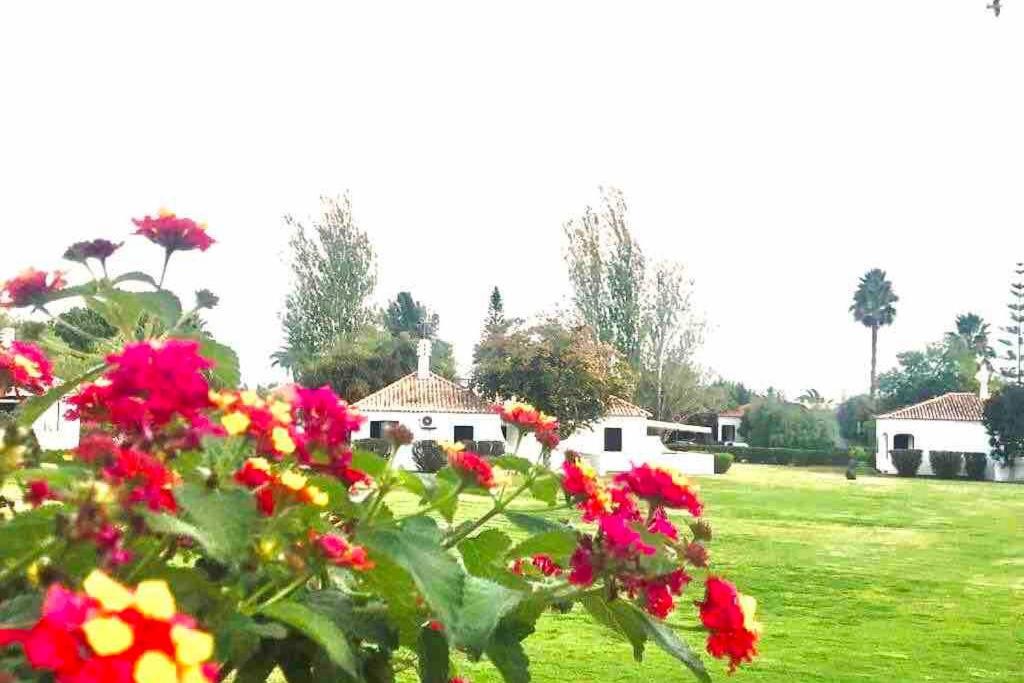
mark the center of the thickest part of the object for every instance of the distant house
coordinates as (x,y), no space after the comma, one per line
(727,423)
(951,422)
(438,409)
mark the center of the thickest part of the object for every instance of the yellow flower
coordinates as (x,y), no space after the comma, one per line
(222,399)
(194,674)
(267,548)
(111,595)
(164,212)
(316,496)
(260,464)
(108,635)
(29,366)
(250,398)
(32,573)
(293,480)
(155,667)
(154,599)
(235,423)
(449,447)
(282,411)
(101,492)
(282,441)
(191,647)
(748,605)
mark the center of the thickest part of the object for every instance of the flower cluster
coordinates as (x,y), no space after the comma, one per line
(273,489)
(268,422)
(139,476)
(148,386)
(99,249)
(528,419)
(342,553)
(661,488)
(25,366)
(730,618)
(111,634)
(471,468)
(541,562)
(31,288)
(173,233)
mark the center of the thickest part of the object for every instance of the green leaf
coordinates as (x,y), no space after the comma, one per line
(162,304)
(27,531)
(70,292)
(545,488)
(226,370)
(20,611)
(665,638)
(31,410)
(618,616)
(367,622)
(226,519)
(513,462)
(412,482)
(318,628)
(237,642)
(559,544)
(135,276)
(257,669)
(483,555)
(395,585)
(432,657)
(484,603)
(532,523)
(508,656)
(368,462)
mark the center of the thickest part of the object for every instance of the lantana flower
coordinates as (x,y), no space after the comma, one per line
(471,468)
(172,232)
(25,366)
(268,421)
(662,487)
(99,249)
(526,418)
(730,618)
(109,633)
(278,488)
(342,553)
(31,288)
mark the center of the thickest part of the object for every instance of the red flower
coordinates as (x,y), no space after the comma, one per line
(546,565)
(622,538)
(581,482)
(529,419)
(660,524)
(582,566)
(472,468)
(145,479)
(661,487)
(148,385)
(327,422)
(25,366)
(39,491)
(341,552)
(31,288)
(173,233)
(98,249)
(729,617)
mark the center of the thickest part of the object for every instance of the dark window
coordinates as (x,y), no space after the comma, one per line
(728,432)
(901,442)
(613,439)
(463,433)
(504,431)
(377,428)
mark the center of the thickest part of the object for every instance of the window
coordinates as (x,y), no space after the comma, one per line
(728,432)
(463,433)
(377,428)
(613,439)
(504,432)
(901,442)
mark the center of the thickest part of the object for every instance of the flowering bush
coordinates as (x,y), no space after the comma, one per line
(200,531)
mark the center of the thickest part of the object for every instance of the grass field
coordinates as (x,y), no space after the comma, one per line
(880,579)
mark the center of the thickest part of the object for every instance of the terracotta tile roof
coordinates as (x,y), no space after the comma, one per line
(619,407)
(960,406)
(739,411)
(434,394)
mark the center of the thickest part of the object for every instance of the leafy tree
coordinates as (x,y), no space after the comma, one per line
(972,336)
(1003,417)
(736,393)
(856,419)
(873,307)
(812,398)
(333,271)
(777,424)
(563,371)
(405,314)
(607,270)
(495,321)
(359,365)
(1014,356)
(920,375)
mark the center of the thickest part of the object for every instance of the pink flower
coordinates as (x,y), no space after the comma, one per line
(25,366)
(31,288)
(172,232)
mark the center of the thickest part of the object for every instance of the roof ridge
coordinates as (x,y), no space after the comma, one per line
(905,411)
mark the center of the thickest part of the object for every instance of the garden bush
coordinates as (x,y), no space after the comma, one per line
(490,449)
(906,461)
(723,461)
(379,447)
(204,533)
(774,456)
(428,456)
(946,464)
(975,465)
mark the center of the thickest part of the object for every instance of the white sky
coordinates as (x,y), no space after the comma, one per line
(779,148)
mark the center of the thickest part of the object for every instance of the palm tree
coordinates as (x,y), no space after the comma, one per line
(972,335)
(812,398)
(873,307)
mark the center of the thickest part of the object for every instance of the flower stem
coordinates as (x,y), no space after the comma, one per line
(498,508)
(284,592)
(163,272)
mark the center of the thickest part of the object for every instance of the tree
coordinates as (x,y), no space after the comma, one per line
(1003,417)
(920,375)
(669,337)
(777,424)
(405,314)
(607,271)
(333,273)
(495,320)
(972,335)
(563,371)
(812,398)
(1014,356)
(856,416)
(873,307)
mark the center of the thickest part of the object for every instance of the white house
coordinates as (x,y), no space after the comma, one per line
(438,409)
(951,422)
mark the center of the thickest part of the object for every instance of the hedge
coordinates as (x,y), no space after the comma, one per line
(975,465)
(723,461)
(946,464)
(761,455)
(906,461)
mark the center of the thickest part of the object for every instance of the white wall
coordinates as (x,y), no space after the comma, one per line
(728,421)
(486,427)
(54,431)
(938,435)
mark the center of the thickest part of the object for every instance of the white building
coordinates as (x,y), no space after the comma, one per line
(951,422)
(437,409)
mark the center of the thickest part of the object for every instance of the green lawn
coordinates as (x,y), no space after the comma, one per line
(880,579)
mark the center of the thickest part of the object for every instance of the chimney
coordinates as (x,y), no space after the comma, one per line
(423,354)
(6,337)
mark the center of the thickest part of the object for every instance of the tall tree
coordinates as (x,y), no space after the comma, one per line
(972,336)
(333,272)
(1014,356)
(495,320)
(405,314)
(812,398)
(607,270)
(873,307)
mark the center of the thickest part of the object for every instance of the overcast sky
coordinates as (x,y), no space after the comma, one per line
(778,148)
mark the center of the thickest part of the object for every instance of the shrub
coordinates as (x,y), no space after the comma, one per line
(946,464)
(490,449)
(907,461)
(428,456)
(975,465)
(723,461)
(774,456)
(379,446)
